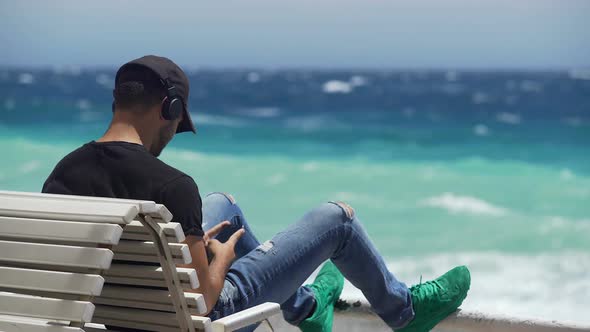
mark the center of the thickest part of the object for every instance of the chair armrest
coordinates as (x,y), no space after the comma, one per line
(246,317)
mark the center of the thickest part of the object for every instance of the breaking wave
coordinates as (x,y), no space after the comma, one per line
(464,204)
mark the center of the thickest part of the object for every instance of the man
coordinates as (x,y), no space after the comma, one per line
(150,106)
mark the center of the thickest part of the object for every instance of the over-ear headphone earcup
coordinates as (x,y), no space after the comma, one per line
(171,109)
(175,108)
(166,109)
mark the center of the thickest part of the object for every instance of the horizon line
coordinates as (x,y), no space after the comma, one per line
(241,68)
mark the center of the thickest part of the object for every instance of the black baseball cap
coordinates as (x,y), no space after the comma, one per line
(166,70)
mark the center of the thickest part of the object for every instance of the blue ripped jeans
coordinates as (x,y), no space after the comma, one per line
(275,270)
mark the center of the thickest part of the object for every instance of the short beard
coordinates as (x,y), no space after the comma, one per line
(165,135)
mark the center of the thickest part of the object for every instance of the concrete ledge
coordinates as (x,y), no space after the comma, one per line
(482,322)
(360,318)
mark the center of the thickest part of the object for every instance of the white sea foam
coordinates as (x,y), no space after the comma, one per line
(580,74)
(531,86)
(566,174)
(105,80)
(451,76)
(276,179)
(358,80)
(32,147)
(26,78)
(480,98)
(408,112)
(510,100)
(217,120)
(548,285)
(481,130)
(428,173)
(452,89)
(260,112)
(314,123)
(509,118)
(30,166)
(186,155)
(9,104)
(87,115)
(310,123)
(253,77)
(562,223)
(573,121)
(68,70)
(310,166)
(84,104)
(511,85)
(336,86)
(463,204)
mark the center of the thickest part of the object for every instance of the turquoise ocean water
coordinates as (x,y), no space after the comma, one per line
(488,169)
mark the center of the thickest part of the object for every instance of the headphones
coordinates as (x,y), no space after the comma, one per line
(172,106)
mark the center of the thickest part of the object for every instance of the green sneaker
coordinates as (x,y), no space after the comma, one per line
(326,287)
(434,300)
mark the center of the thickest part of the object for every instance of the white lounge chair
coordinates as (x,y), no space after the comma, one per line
(54,249)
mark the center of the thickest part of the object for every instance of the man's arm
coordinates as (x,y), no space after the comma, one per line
(211,276)
(181,196)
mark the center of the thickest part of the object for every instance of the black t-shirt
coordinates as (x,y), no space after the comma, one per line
(127,170)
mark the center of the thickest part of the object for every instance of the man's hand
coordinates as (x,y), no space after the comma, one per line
(225,251)
(212,274)
(210,234)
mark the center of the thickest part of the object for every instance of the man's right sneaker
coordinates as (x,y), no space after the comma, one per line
(326,287)
(434,300)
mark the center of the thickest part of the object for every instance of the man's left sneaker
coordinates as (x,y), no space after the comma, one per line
(326,287)
(434,300)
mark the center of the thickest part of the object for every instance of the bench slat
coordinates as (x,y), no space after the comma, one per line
(202,323)
(154,299)
(13,324)
(136,231)
(146,207)
(37,229)
(47,254)
(141,248)
(116,323)
(143,282)
(132,318)
(141,305)
(142,275)
(42,307)
(148,258)
(54,209)
(51,281)
(145,319)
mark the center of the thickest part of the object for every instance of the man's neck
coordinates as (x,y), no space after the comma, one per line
(122,132)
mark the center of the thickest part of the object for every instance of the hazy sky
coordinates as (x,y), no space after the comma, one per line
(299,33)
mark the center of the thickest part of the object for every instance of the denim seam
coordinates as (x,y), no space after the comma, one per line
(408,312)
(348,222)
(227,196)
(346,212)
(406,315)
